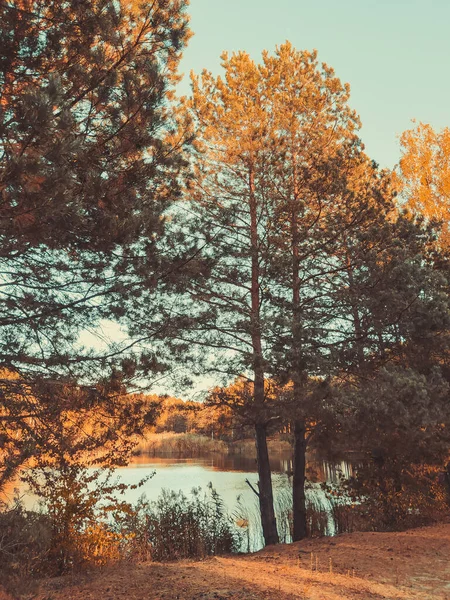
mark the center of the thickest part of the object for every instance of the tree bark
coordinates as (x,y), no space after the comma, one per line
(268,520)
(298,484)
(298,376)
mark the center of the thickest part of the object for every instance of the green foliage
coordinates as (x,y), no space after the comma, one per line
(84,121)
(393,500)
(385,495)
(398,415)
(397,423)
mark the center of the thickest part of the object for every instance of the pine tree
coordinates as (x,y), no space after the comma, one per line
(316,152)
(91,163)
(391,384)
(231,133)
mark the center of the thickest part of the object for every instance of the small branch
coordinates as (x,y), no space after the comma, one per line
(249,484)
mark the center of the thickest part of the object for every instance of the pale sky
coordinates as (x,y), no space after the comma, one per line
(393,53)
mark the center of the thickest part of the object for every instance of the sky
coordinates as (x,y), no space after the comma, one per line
(393,53)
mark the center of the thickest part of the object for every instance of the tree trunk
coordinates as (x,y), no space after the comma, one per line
(298,376)
(298,485)
(355,312)
(268,520)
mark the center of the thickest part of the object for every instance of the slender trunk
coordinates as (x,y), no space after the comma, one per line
(359,345)
(262,456)
(298,485)
(298,375)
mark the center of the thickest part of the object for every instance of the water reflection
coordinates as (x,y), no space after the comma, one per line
(319,469)
(215,462)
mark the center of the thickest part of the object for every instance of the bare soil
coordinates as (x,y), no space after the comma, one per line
(412,564)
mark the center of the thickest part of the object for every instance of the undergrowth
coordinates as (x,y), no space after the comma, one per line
(72,536)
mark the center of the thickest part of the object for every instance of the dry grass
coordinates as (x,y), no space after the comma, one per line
(373,566)
(181,444)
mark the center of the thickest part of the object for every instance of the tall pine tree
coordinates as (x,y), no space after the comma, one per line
(278,155)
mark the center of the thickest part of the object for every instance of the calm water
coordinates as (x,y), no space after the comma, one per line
(226,472)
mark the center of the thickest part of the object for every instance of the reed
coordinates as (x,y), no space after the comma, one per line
(177,526)
(181,444)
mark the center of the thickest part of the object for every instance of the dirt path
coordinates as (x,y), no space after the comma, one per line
(413,564)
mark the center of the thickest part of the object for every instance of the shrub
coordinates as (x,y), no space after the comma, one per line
(92,527)
(25,541)
(77,503)
(388,497)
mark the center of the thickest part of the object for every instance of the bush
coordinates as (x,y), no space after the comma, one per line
(72,528)
(35,544)
(25,542)
(78,502)
(388,497)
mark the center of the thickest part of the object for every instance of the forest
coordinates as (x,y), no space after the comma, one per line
(239,234)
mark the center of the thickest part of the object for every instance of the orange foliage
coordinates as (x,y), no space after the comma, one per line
(425,174)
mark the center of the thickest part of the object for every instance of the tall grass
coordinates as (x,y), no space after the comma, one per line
(193,444)
(246,516)
(325,515)
(177,526)
(25,538)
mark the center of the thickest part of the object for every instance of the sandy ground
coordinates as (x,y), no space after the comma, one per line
(413,564)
